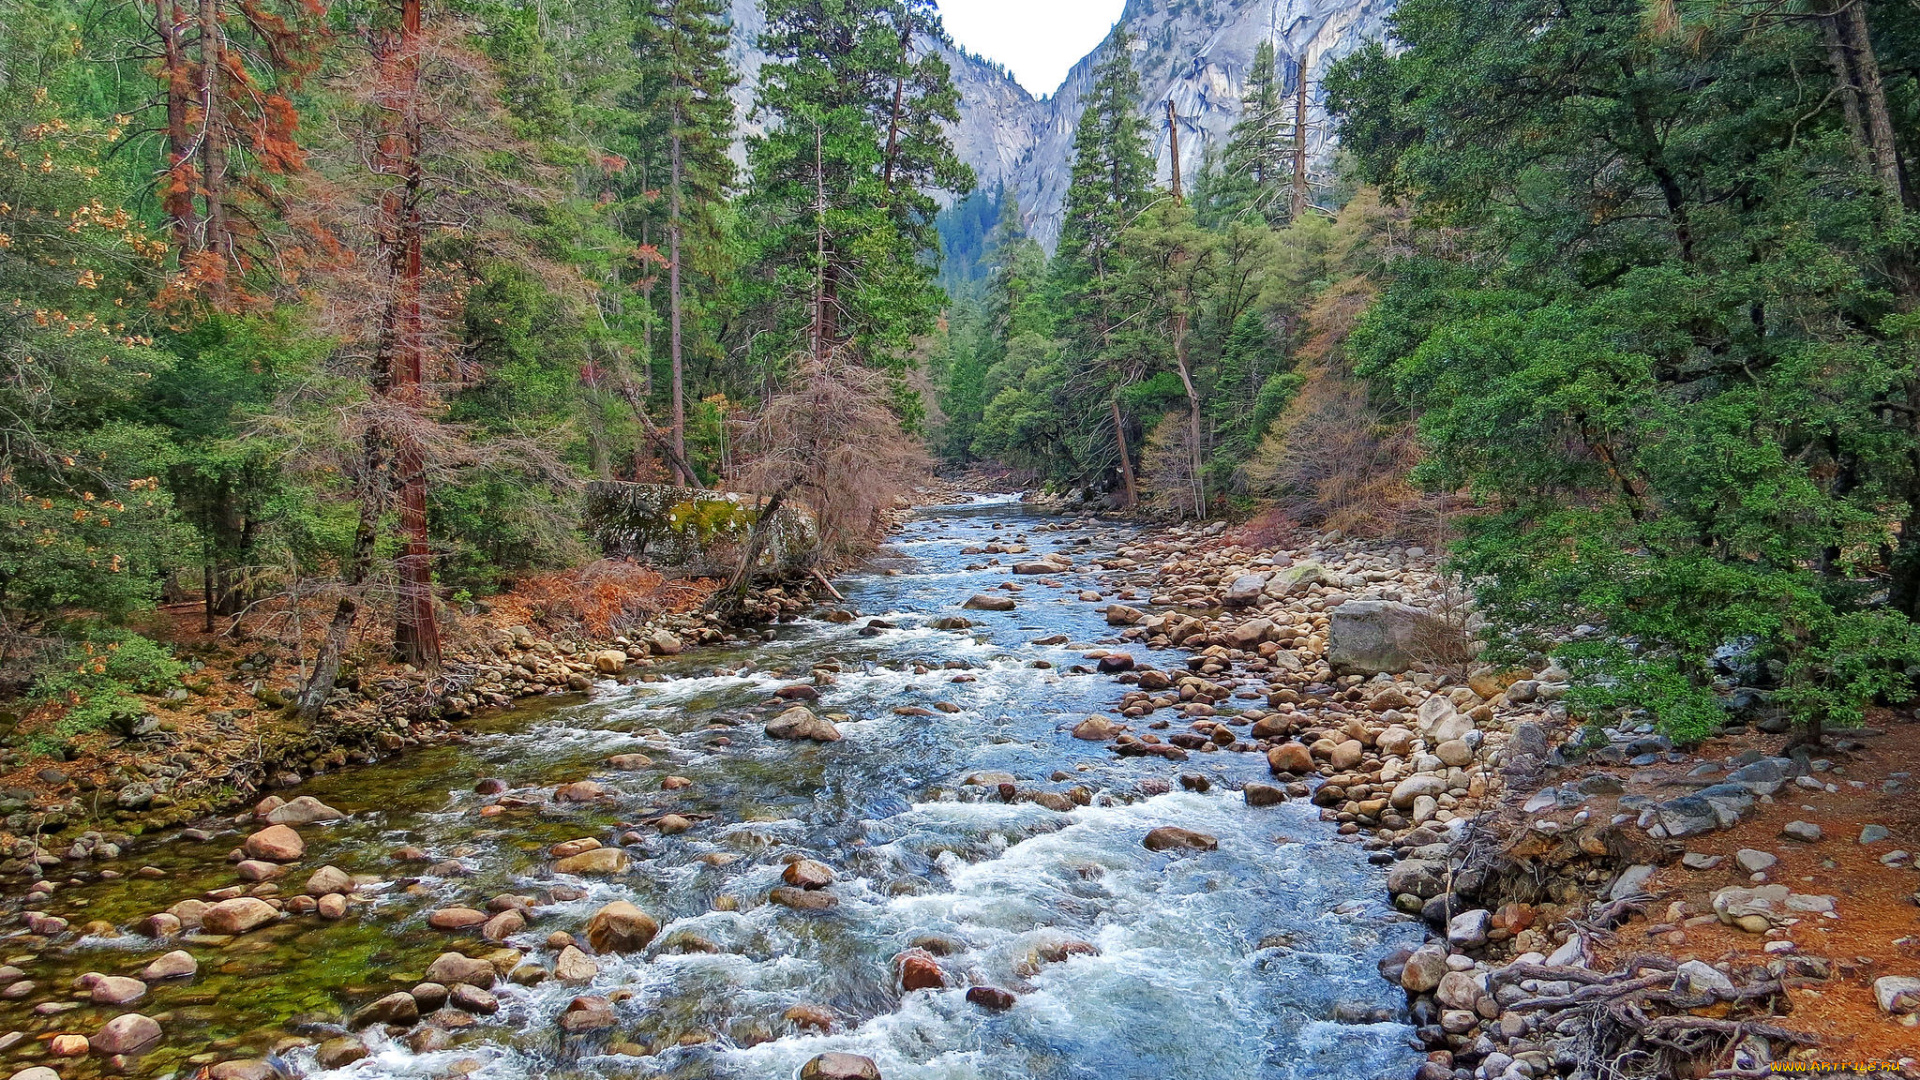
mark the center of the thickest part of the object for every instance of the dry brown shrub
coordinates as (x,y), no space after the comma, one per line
(1166,468)
(601,599)
(831,440)
(1331,459)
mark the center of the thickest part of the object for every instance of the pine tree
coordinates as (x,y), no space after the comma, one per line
(856,98)
(1111,184)
(228,74)
(683,88)
(1256,167)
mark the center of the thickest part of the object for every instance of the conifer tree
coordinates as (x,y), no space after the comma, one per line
(682,91)
(1112,179)
(856,98)
(1256,166)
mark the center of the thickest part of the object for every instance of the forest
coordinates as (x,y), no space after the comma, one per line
(335,308)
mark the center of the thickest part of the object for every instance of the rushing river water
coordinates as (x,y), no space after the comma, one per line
(1211,965)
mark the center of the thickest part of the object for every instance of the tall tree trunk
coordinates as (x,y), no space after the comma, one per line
(893,121)
(1126,460)
(416,635)
(1173,146)
(1299,207)
(177,194)
(673,305)
(1193,405)
(213,148)
(1851,20)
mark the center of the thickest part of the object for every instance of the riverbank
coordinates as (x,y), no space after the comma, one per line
(1620,905)
(932,793)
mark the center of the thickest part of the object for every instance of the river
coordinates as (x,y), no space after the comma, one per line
(1211,965)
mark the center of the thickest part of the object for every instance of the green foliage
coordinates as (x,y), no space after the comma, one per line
(1669,388)
(98,677)
(836,69)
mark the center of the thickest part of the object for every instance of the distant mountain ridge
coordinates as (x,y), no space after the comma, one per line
(1195,52)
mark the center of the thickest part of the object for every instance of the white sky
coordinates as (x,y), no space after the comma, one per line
(1038,40)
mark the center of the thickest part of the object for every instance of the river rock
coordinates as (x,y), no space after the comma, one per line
(840,1067)
(802,899)
(580,791)
(471,999)
(799,722)
(988,602)
(567,849)
(430,996)
(1264,794)
(456,919)
(1415,786)
(630,762)
(398,1007)
(1458,990)
(620,927)
(258,870)
(331,906)
(275,843)
(68,1046)
(128,1033)
(243,1069)
(587,1014)
(1122,615)
(1171,837)
(1368,637)
(574,967)
(328,879)
(1095,729)
(1115,662)
(503,926)
(116,990)
(452,968)
(991,998)
(1290,757)
(174,965)
(1424,969)
(35,1072)
(1245,591)
(598,862)
(919,971)
(609,661)
(1897,994)
(304,810)
(340,1052)
(1468,930)
(807,874)
(1423,878)
(237,916)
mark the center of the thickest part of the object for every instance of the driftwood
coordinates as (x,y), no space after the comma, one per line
(1636,1023)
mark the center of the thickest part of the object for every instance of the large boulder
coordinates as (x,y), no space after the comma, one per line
(1367,637)
(620,928)
(799,722)
(1122,615)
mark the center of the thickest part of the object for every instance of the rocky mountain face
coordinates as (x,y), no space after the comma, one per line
(1192,52)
